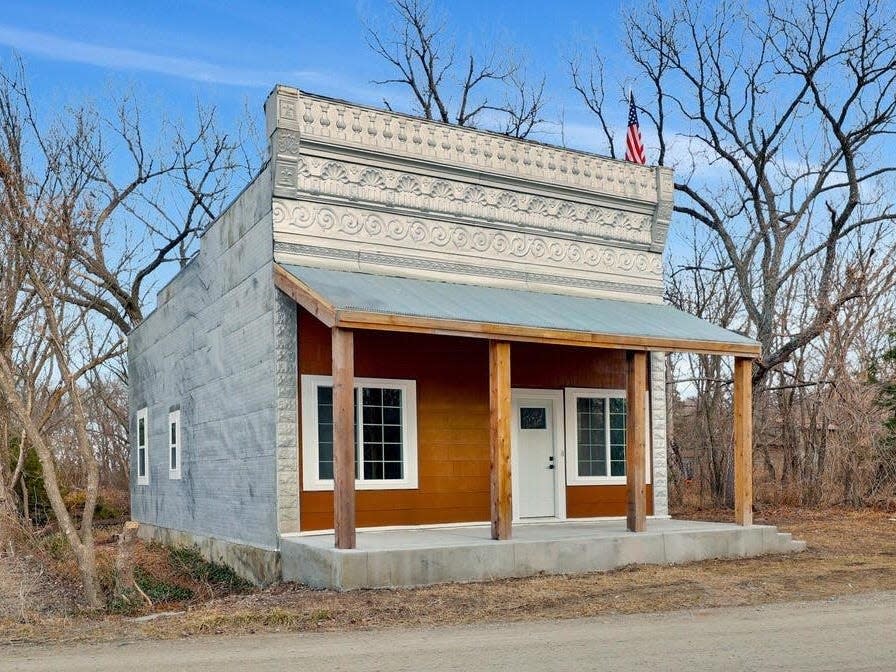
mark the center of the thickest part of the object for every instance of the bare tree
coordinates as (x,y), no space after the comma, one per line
(464,91)
(92,211)
(589,81)
(785,113)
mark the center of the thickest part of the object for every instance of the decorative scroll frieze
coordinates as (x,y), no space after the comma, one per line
(342,124)
(461,199)
(420,234)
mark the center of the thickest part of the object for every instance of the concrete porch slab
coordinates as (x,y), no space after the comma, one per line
(423,556)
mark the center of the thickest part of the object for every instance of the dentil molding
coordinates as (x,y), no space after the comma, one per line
(334,122)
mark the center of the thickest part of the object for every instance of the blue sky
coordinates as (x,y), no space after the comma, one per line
(231,53)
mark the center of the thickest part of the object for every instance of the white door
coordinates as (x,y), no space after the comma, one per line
(536,457)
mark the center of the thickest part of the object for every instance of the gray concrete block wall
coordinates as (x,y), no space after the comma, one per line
(660,475)
(209,348)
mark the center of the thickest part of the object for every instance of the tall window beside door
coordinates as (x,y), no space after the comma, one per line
(596,436)
(385,423)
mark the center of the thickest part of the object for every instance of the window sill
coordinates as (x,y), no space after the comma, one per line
(322,486)
(598,480)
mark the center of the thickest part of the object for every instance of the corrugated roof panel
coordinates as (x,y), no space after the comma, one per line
(389,295)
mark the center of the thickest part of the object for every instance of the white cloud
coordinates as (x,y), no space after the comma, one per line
(62,49)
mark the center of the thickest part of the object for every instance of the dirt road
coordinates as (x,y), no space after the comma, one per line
(856,633)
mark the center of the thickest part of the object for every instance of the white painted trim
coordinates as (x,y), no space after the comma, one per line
(310,479)
(556,399)
(570,395)
(177,445)
(143,416)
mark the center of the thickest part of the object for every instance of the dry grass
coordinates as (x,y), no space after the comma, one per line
(849,552)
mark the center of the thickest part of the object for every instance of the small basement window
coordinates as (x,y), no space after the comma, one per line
(142,447)
(595,429)
(385,433)
(174,445)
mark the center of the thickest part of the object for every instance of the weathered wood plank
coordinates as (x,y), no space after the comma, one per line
(636,439)
(304,296)
(499,434)
(344,438)
(743,441)
(350,319)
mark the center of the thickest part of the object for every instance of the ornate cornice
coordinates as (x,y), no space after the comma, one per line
(358,227)
(322,121)
(396,189)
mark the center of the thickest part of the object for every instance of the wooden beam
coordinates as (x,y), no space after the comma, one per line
(636,441)
(353,319)
(743,441)
(499,437)
(344,438)
(303,295)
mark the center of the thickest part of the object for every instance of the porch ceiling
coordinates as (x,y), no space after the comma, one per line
(354,300)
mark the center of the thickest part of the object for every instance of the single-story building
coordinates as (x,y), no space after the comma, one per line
(411,352)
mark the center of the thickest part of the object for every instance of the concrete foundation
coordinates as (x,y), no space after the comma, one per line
(258,565)
(414,557)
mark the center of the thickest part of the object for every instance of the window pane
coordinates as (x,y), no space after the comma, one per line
(373,452)
(141,432)
(173,433)
(392,398)
(381,434)
(392,434)
(393,471)
(373,471)
(373,396)
(592,440)
(533,418)
(373,434)
(173,457)
(617,436)
(324,432)
(141,462)
(373,414)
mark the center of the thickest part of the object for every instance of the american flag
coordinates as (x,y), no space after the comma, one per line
(634,147)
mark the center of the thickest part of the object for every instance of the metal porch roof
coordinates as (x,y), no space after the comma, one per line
(362,300)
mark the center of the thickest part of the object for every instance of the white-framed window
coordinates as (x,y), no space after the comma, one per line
(385,433)
(143,447)
(174,445)
(595,436)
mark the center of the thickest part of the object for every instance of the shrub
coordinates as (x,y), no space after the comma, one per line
(216,575)
(160,591)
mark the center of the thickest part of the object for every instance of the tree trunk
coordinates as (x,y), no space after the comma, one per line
(124,560)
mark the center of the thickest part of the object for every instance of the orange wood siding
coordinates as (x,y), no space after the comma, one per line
(453,420)
(452,425)
(588,501)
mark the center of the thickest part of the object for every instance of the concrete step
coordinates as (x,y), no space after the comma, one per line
(787,544)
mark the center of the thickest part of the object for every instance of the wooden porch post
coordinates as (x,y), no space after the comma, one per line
(636,436)
(743,441)
(344,437)
(499,437)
